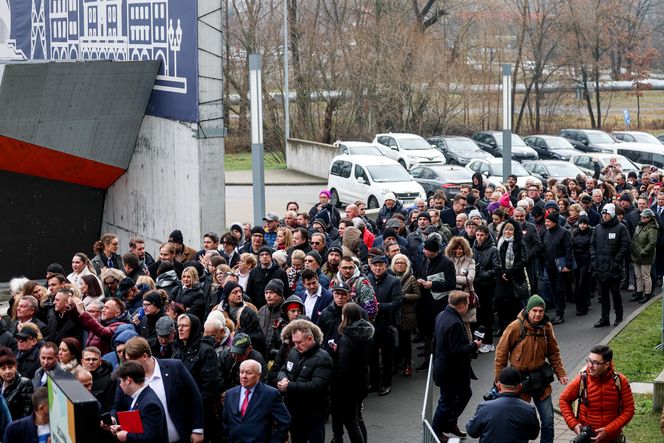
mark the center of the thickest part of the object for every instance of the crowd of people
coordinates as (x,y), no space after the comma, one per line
(267,331)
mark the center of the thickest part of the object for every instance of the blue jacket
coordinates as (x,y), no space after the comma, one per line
(153,418)
(265,420)
(506,419)
(323,302)
(21,431)
(185,404)
(323,280)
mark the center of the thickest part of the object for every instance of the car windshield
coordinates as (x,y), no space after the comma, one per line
(645,138)
(413,143)
(562,170)
(453,174)
(625,164)
(599,137)
(517,169)
(516,140)
(364,150)
(462,146)
(558,143)
(388,173)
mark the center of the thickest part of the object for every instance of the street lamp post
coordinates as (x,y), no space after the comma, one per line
(507,120)
(257,160)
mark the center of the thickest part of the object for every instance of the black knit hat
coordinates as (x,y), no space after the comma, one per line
(176,237)
(275,285)
(432,245)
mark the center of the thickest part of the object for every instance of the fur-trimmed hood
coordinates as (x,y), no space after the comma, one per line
(288,330)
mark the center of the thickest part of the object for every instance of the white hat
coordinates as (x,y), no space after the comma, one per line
(610,209)
(390,196)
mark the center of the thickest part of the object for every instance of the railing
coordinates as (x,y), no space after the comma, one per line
(428,436)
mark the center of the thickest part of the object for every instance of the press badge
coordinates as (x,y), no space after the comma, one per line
(289,365)
(612,235)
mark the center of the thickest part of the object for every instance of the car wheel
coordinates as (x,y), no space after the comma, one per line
(373,203)
(403,163)
(334,198)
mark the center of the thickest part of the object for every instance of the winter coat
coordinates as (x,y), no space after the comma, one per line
(388,294)
(428,308)
(531,238)
(103,387)
(465,272)
(169,282)
(62,325)
(506,419)
(385,214)
(581,245)
(451,350)
(277,347)
(19,397)
(101,261)
(309,375)
(487,263)
(6,338)
(27,363)
(361,292)
(644,242)
(608,246)
(200,359)
(351,371)
(601,410)
(557,244)
(411,294)
(100,334)
(193,299)
(247,322)
(268,318)
(538,346)
(147,328)
(259,277)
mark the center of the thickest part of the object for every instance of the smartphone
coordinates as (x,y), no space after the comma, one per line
(106,418)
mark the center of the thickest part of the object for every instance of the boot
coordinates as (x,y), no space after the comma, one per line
(602,323)
(636,296)
(645,298)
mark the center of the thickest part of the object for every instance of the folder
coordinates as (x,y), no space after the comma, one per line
(130,421)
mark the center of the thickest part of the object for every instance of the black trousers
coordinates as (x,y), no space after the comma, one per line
(381,355)
(611,286)
(485,311)
(582,287)
(307,429)
(346,412)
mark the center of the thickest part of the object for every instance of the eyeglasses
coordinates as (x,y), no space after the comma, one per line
(316,243)
(346,268)
(147,304)
(592,362)
(309,260)
(399,263)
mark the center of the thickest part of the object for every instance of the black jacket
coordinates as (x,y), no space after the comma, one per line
(200,359)
(531,238)
(608,246)
(6,338)
(249,324)
(309,375)
(61,326)
(28,362)
(389,297)
(451,350)
(557,243)
(146,328)
(487,263)
(351,371)
(428,308)
(103,387)
(192,298)
(506,419)
(581,245)
(259,277)
(19,397)
(516,273)
(385,214)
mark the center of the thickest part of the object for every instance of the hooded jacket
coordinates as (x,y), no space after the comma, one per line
(487,263)
(19,396)
(361,291)
(168,281)
(191,298)
(608,246)
(200,359)
(644,242)
(351,373)
(122,334)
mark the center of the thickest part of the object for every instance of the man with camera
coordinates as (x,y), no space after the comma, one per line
(529,345)
(604,400)
(505,417)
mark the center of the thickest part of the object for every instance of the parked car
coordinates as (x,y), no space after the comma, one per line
(661,138)
(551,147)
(589,140)
(585,162)
(558,169)
(409,149)
(643,153)
(447,178)
(369,178)
(358,148)
(493,171)
(635,136)
(492,142)
(458,150)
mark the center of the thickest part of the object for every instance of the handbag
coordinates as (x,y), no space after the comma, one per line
(521,290)
(536,382)
(473,299)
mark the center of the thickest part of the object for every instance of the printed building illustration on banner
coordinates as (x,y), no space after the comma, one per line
(119,30)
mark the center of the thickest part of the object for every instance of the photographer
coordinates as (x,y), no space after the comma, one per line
(506,418)
(605,402)
(530,346)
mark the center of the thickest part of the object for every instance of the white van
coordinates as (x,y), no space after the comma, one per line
(643,154)
(370,178)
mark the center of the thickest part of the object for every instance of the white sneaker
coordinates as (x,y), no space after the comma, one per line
(485,348)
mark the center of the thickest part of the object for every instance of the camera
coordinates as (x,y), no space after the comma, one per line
(585,435)
(491,394)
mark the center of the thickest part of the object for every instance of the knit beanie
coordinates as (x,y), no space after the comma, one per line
(534,301)
(553,216)
(275,285)
(154,298)
(228,288)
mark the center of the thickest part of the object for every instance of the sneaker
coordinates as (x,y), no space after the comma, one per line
(486,348)
(385,390)
(631,288)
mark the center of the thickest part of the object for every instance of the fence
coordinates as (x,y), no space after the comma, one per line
(428,436)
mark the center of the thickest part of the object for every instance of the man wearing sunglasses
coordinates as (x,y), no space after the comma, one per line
(603,396)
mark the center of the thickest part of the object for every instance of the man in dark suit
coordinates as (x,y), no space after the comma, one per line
(254,411)
(48,361)
(315,297)
(143,399)
(26,430)
(175,388)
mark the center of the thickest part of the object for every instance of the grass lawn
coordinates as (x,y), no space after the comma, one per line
(242,162)
(644,427)
(633,347)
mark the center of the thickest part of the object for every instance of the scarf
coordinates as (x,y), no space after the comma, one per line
(69,367)
(509,254)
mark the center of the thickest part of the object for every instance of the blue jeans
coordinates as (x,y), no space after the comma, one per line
(545,410)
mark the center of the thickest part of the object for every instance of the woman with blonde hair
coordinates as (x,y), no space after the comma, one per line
(190,295)
(459,252)
(411,292)
(297,266)
(243,268)
(284,239)
(146,280)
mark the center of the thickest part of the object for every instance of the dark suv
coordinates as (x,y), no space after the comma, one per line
(492,142)
(589,140)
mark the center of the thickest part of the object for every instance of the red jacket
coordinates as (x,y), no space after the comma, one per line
(368,238)
(603,402)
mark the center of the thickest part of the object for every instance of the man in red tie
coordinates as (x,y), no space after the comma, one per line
(254,411)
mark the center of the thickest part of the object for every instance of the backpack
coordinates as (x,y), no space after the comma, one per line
(525,333)
(583,392)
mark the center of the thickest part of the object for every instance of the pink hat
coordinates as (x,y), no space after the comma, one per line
(505,201)
(325,192)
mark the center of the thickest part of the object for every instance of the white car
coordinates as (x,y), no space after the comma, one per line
(636,136)
(492,170)
(359,148)
(584,162)
(370,178)
(409,149)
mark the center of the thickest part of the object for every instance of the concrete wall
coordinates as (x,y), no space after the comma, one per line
(160,190)
(309,157)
